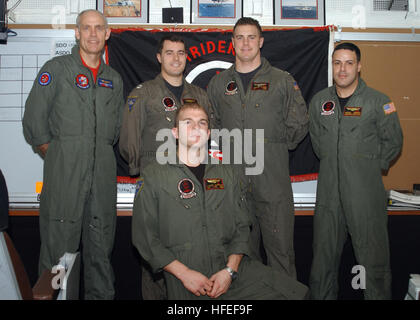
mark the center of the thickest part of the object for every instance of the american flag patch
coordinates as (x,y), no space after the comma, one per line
(389,108)
(296,86)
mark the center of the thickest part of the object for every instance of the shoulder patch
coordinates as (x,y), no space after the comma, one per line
(44,79)
(389,108)
(131,100)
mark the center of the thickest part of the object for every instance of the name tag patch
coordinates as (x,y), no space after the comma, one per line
(105,83)
(352,111)
(260,86)
(389,108)
(214,184)
(189,100)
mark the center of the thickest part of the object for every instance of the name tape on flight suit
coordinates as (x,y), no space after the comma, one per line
(105,83)
(214,184)
(260,86)
(352,111)
(189,100)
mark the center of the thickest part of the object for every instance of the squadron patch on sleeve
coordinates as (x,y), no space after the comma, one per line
(214,184)
(139,186)
(130,102)
(231,88)
(296,86)
(186,189)
(44,79)
(327,108)
(389,108)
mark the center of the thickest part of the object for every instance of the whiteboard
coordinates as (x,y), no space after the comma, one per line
(20,60)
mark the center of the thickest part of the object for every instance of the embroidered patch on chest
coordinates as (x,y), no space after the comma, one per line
(44,79)
(214,184)
(327,108)
(105,83)
(231,88)
(260,86)
(352,111)
(82,81)
(169,104)
(186,189)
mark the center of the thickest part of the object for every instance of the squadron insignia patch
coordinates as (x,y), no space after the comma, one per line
(130,102)
(44,79)
(139,186)
(169,104)
(214,184)
(186,188)
(231,88)
(327,108)
(82,81)
(189,100)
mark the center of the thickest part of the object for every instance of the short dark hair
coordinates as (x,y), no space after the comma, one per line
(190,105)
(349,46)
(244,21)
(172,38)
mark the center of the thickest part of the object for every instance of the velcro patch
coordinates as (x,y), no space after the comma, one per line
(389,108)
(352,111)
(260,86)
(214,184)
(105,83)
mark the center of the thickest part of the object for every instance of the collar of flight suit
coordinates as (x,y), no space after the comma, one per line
(265,67)
(75,52)
(361,86)
(181,164)
(162,80)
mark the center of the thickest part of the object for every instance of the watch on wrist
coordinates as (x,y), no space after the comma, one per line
(233,273)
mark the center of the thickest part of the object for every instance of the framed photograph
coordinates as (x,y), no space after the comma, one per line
(117,11)
(215,11)
(299,12)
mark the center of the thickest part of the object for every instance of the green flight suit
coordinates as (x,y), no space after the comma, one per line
(272,102)
(151,106)
(353,146)
(80,119)
(201,225)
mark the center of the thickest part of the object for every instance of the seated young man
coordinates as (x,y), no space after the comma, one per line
(189,220)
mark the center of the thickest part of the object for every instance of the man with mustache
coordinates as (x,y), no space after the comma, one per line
(356,133)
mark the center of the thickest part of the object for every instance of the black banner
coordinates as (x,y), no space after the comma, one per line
(301,52)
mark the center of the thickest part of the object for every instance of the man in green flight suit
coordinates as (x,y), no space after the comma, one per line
(151,106)
(189,220)
(355,133)
(72,116)
(254,95)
